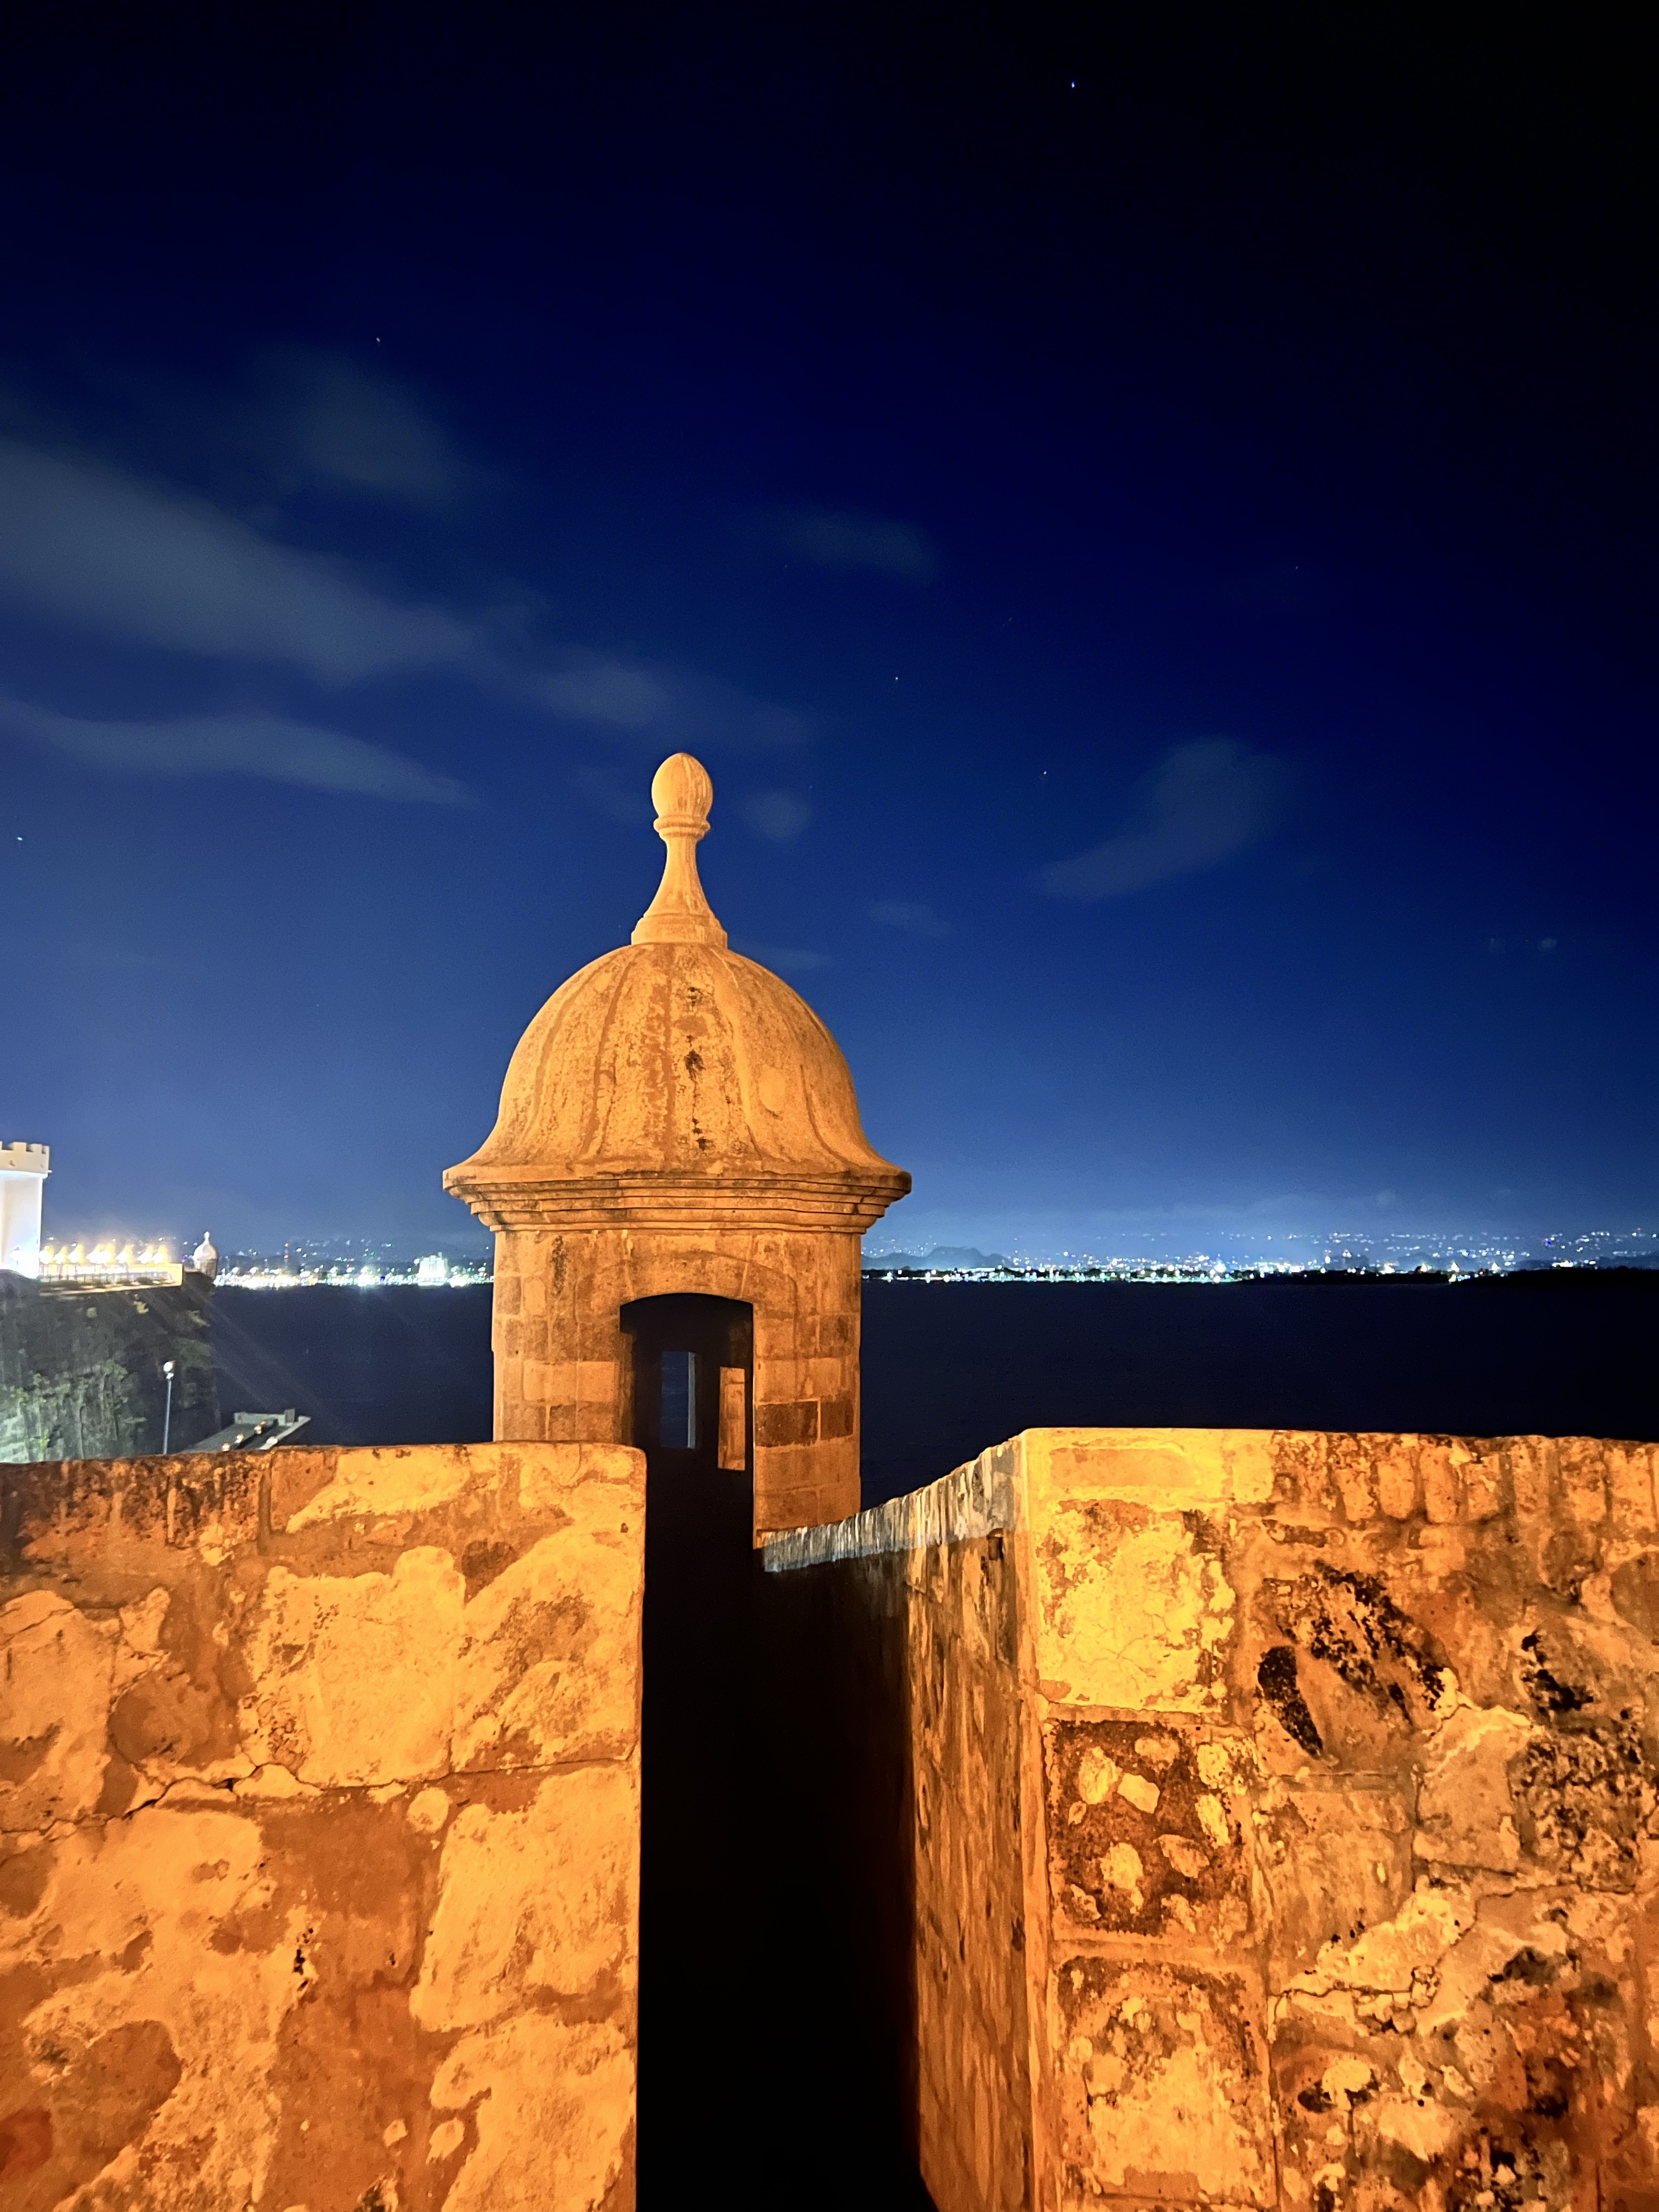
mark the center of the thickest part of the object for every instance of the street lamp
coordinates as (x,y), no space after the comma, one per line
(166,1419)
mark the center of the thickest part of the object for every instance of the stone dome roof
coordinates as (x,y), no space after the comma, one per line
(672,1079)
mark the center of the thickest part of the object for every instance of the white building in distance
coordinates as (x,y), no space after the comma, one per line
(23,1172)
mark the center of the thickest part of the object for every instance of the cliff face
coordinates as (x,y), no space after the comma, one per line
(81,1369)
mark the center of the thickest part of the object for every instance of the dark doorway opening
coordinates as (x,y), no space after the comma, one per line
(769,2072)
(700,1915)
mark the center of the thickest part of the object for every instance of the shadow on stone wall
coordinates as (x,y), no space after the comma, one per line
(838,1966)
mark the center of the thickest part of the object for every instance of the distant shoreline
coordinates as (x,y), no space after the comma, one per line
(952,1364)
(1155,1273)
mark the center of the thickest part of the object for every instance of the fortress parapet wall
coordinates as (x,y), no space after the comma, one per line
(319,1827)
(1261,1819)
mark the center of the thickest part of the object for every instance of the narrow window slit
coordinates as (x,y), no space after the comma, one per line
(678,1428)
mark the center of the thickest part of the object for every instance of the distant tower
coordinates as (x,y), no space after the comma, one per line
(204,1259)
(23,1172)
(676,1120)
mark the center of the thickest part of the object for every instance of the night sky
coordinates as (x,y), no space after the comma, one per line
(1146,518)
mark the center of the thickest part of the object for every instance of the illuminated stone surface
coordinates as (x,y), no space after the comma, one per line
(677,1119)
(318,1830)
(1281,1816)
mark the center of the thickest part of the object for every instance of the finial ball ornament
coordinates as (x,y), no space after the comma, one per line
(680,915)
(682,792)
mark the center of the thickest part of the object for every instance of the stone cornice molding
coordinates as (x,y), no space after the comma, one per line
(507,1198)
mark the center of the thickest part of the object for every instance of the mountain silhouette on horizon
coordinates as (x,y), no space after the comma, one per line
(940,1256)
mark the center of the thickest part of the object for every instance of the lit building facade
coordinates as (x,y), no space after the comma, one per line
(23,1171)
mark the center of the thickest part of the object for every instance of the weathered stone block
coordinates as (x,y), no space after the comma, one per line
(1398,1487)
(1350,1462)
(793,1424)
(1301,1478)
(1331,1858)
(55,1664)
(838,1417)
(1162,2085)
(1133,1607)
(1443,1489)
(534,1897)
(318,1800)
(1145,1830)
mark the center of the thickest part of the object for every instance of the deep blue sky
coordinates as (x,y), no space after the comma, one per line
(1146,518)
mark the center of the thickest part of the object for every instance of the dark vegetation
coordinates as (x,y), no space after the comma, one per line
(82,1371)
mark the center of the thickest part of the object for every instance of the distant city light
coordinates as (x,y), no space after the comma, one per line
(1458,1258)
(432,1272)
(1395,1255)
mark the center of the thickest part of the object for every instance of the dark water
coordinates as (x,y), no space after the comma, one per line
(370,1367)
(951,1368)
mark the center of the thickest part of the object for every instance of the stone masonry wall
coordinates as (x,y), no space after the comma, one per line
(563,1360)
(1335,1826)
(319,1831)
(931,1596)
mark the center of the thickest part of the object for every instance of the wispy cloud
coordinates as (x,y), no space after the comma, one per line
(780,815)
(664,705)
(591,689)
(861,541)
(336,421)
(105,550)
(788,959)
(1201,802)
(920,920)
(266,746)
